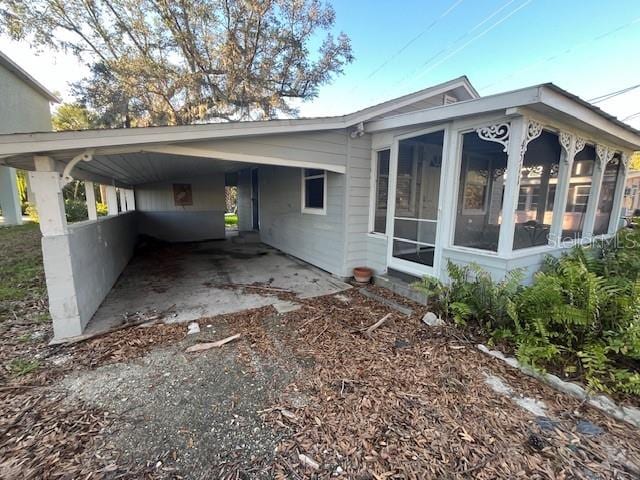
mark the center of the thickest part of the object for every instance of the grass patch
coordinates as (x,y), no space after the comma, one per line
(19,366)
(21,270)
(230,219)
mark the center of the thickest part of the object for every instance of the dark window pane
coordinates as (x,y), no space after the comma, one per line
(382,186)
(607,194)
(312,172)
(538,178)
(314,193)
(579,192)
(422,232)
(480,195)
(413,253)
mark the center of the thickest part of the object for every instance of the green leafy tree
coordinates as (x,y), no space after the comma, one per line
(635,161)
(72,116)
(178,62)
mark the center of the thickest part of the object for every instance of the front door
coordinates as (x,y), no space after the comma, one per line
(415,191)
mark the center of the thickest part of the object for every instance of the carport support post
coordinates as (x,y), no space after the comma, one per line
(131,199)
(46,186)
(9,198)
(123,200)
(46,183)
(112,200)
(90,195)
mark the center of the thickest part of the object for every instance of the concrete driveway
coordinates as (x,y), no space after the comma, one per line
(186,282)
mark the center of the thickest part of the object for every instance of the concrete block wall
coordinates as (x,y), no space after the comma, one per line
(82,266)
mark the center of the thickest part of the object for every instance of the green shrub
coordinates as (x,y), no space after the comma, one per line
(101,209)
(76,210)
(581,314)
(473,297)
(32,212)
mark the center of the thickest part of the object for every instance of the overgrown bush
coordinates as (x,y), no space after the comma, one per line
(581,314)
(472,296)
(75,210)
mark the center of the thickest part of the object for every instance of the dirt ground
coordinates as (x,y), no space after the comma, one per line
(301,395)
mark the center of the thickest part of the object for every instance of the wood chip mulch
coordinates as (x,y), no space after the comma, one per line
(410,402)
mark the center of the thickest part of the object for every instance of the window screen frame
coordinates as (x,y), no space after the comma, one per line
(373,197)
(303,179)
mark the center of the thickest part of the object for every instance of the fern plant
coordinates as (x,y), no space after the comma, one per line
(581,313)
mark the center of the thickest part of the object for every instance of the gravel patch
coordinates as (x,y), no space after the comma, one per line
(192,414)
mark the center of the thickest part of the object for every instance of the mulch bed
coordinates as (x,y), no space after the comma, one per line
(411,402)
(405,401)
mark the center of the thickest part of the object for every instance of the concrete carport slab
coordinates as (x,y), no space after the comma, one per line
(196,280)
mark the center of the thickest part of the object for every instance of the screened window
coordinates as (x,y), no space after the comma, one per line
(538,179)
(480,193)
(579,193)
(382,190)
(607,194)
(314,191)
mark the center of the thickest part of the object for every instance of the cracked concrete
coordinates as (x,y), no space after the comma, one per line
(194,280)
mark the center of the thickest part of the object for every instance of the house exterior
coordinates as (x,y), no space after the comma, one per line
(403,186)
(24,107)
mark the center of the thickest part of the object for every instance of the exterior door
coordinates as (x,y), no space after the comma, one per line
(255,195)
(416,169)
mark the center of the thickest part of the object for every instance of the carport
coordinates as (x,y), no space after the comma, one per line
(163,182)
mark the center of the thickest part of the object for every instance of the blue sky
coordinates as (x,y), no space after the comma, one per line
(588,47)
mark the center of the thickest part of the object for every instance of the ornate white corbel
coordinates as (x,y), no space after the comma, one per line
(625,157)
(498,133)
(533,131)
(85,156)
(604,154)
(580,144)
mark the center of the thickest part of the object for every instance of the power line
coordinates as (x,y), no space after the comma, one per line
(461,37)
(472,40)
(414,39)
(607,96)
(571,49)
(631,117)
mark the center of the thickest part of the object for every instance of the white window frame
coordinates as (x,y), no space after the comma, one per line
(373,198)
(303,178)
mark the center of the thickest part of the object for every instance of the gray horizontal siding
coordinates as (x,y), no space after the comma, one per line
(321,147)
(317,239)
(361,248)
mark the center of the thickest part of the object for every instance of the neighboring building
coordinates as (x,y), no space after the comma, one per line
(632,194)
(24,107)
(403,186)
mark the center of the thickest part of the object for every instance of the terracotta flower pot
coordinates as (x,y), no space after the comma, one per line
(362,274)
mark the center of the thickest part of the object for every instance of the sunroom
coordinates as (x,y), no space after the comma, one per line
(498,188)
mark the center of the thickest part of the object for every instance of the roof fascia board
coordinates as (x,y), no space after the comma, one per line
(364,115)
(491,103)
(54,141)
(242,157)
(573,108)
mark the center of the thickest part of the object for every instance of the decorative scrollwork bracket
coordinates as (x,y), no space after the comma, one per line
(604,154)
(498,133)
(572,145)
(533,131)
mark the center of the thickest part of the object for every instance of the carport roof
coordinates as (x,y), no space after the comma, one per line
(117,146)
